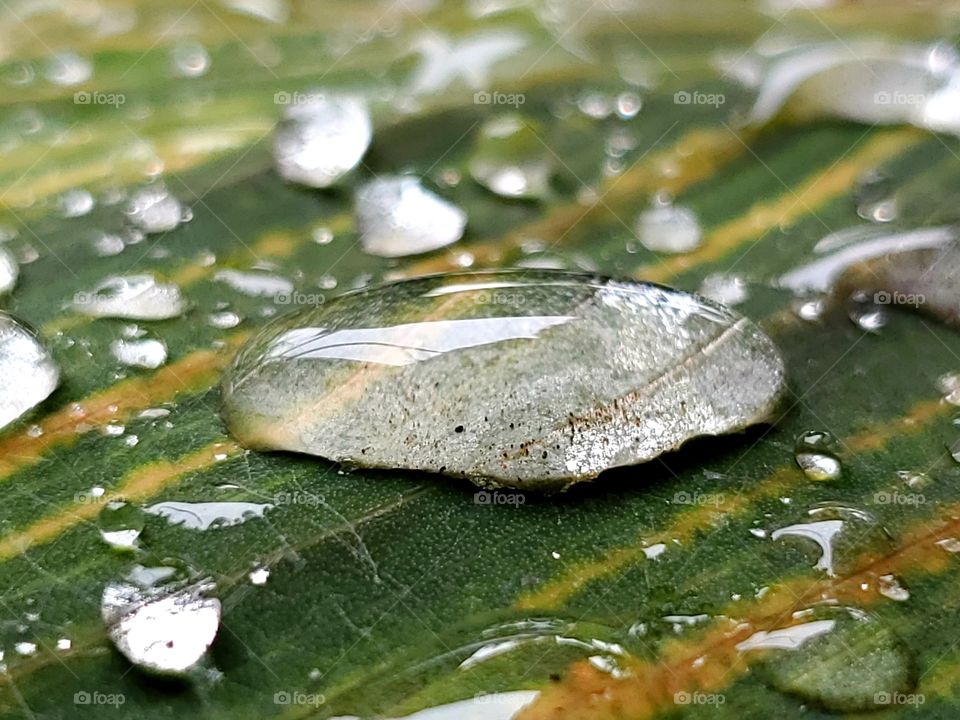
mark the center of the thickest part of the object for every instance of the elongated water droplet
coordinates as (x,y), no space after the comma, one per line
(121,524)
(67,68)
(321,137)
(160,624)
(530,378)
(76,203)
(28,373)
(397,216)
(255,284)
(154,210)
(134,297)
(144,353)
(510,159)
(815,453)
(727,290)
(9,271)
(669,229)
(206,515)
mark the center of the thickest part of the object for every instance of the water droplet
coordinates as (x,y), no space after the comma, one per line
(874,197)
(815,453)
(838,659)
(64,644)
(206,515)
(322,235)
(865,313)
(890,587)
(28,373)
(9,271)
(108,244)
(224,320)
(121,524)
(147,353)
(951,545)
(259,576)
(255,284)
(75,203)
(190,59)
(513,334)
(134,297)
(669,229)
(321,137)
(628,105)
(25,648)
(595,105)
(841,534)
(159,623)
(67,68)
(154,210)
(510,159)
(949,386)
(397,216)
(725,289)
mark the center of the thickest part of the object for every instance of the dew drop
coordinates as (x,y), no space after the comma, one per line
(224,320)
(321,137)
(669,229)
(68,68)
(134,297)
(725,289)
(75,203)
(815,453)
(397,216)
(9,271)
(510,159)
(108,244)
(154,210)
(259,576)
(146,353)
(865,314)
(207,515)
(890,587)
(120,525)
(28,373)
(255,284)
(190,59)
(628,105)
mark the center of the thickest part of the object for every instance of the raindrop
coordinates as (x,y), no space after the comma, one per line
(9,271)
(865,313)
(510,159)
(68,68)
(146,353)
(815,453)
(524,340)
(322,235)
(595,105)
(207,515)
(874,197)
(121,524)
(28,373)
(255,284)
(108,244)
(64,644)
(134,297)
(397,216)
(224,320)
(628,105)
(159,623)
(259,576)
(725,289)
(321,138)
(190,59)
(154,210)
(890,587)
(75,203)
(669,228)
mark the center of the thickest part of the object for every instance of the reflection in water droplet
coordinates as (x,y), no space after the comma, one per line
(628,105)
(158,623)
(815,453)
(9,271)
(75,203)
(890,587)
(108,244)
(206,515)
(190,59)
(725,289)
(255,284)
(669,229)
(147,353)
(120,525)
(865,313)
(949,386)
(28,373)
(67,68)
(224,320)
(154,210)
(134,297)
(259,576)
(321,137)
(397,216)
(841,660)
(510,159)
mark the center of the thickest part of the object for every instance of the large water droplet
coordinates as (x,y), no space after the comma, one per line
(321,137)
(839,659)
(815,453)
(510,159)
(155,210)
(397,216)
(28,373)
(530,378)
(121,524)
(159,623)
(9,271)
(669,229)
(206,515)
(134,297)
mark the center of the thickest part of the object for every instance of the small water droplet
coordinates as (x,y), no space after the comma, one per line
(9,271)
(510,159)
(397,216)
(154,210)
(67,68)
(951,545)
(64,644)
(108,244)
(224,320)
(190,59)
(28,373)
(134,297)
(628,105)
(595,105)
(259,576)
(25,648)
(725,289)
(866,314)
(75,203)
(815,453)
(255,284)
(890,587)
(121,524)
(669,228)
(321,137)
(949,386)
(146,353)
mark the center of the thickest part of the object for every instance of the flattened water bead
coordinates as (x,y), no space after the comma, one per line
(397,216)
(8,271)
(28,373)
(510,159)
(321,137)
(528,379)
(135,297)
